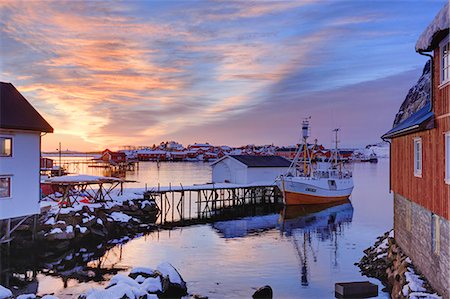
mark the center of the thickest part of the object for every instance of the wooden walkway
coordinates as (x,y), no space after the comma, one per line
(196,203)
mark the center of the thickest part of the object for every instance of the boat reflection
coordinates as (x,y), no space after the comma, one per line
(321,223)
(303,224)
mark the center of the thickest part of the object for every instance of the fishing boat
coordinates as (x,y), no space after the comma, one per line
(323,182)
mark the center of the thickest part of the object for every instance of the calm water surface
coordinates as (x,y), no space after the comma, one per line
(300,257)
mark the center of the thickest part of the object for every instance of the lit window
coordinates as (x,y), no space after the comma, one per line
(435,233)
(5,187)
(5,147)
(445,60)
(418,157)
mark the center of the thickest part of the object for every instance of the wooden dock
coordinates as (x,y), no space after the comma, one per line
(182,205)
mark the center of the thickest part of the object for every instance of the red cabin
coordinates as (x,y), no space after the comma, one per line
(113,157)
(420,165)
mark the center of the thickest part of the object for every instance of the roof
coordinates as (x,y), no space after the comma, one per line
(17,113)
(259,161)
(435,32)
(423,119)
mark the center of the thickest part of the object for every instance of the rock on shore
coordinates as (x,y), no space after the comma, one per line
(164,282)
(386,261)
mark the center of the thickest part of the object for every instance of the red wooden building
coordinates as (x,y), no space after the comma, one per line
(113,157)
(420,166)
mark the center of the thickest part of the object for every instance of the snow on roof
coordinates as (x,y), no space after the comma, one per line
(262,161)
(80,178)
(437,30)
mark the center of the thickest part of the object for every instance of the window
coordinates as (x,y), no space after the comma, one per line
(5,187)
(435,233)
(418,157)
(445,60)
(447,158)
(5,147)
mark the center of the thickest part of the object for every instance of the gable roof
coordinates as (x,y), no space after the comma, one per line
(423,119)
(17,113)
(435,32)
(259,161)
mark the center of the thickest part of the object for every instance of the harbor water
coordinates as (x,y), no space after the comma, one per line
(300,253)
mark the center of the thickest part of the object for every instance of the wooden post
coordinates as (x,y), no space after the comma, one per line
(35,220)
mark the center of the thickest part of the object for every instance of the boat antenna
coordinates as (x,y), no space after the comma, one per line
(336,145)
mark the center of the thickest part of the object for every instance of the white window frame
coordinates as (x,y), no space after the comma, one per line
(10,186)
(447,158)
(444,64)
(418,157)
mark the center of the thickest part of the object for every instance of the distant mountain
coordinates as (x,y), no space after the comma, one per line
(417,96)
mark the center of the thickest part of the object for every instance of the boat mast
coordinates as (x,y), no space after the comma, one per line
(305,133)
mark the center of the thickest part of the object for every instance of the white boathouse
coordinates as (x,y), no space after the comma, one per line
(20,147)
(246,169)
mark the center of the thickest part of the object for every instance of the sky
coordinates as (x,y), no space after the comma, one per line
(106,74)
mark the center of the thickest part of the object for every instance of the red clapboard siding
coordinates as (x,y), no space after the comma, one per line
(430,190)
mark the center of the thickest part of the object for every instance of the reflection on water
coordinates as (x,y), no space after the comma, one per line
(300,251)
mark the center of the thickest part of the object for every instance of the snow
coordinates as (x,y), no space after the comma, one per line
(99,221)
(441,22)
(50,221)
(421,295)
(117,291)
(166,269)
(69,229)
(80,178)
(82,229)
(49,297)
(140,279)
(120,217)
(120,278)
(152,284)
(56,230)
(413,282)
(26,296)
(144,270)
(4,292)
(391,235)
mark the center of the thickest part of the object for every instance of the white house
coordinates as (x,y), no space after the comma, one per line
(20,147)
(245,169)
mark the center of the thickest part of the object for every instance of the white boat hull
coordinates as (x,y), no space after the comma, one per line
(305,190)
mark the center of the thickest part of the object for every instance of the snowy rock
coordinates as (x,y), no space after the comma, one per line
(120,217)
(146,272)
(417,96)
(122,279)
(172,283)
(152,285)
(5,293)
(49,297)
(26,296)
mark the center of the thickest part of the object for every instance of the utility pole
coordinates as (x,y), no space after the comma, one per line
(60,165)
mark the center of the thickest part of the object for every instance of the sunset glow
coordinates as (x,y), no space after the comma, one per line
(106,74)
